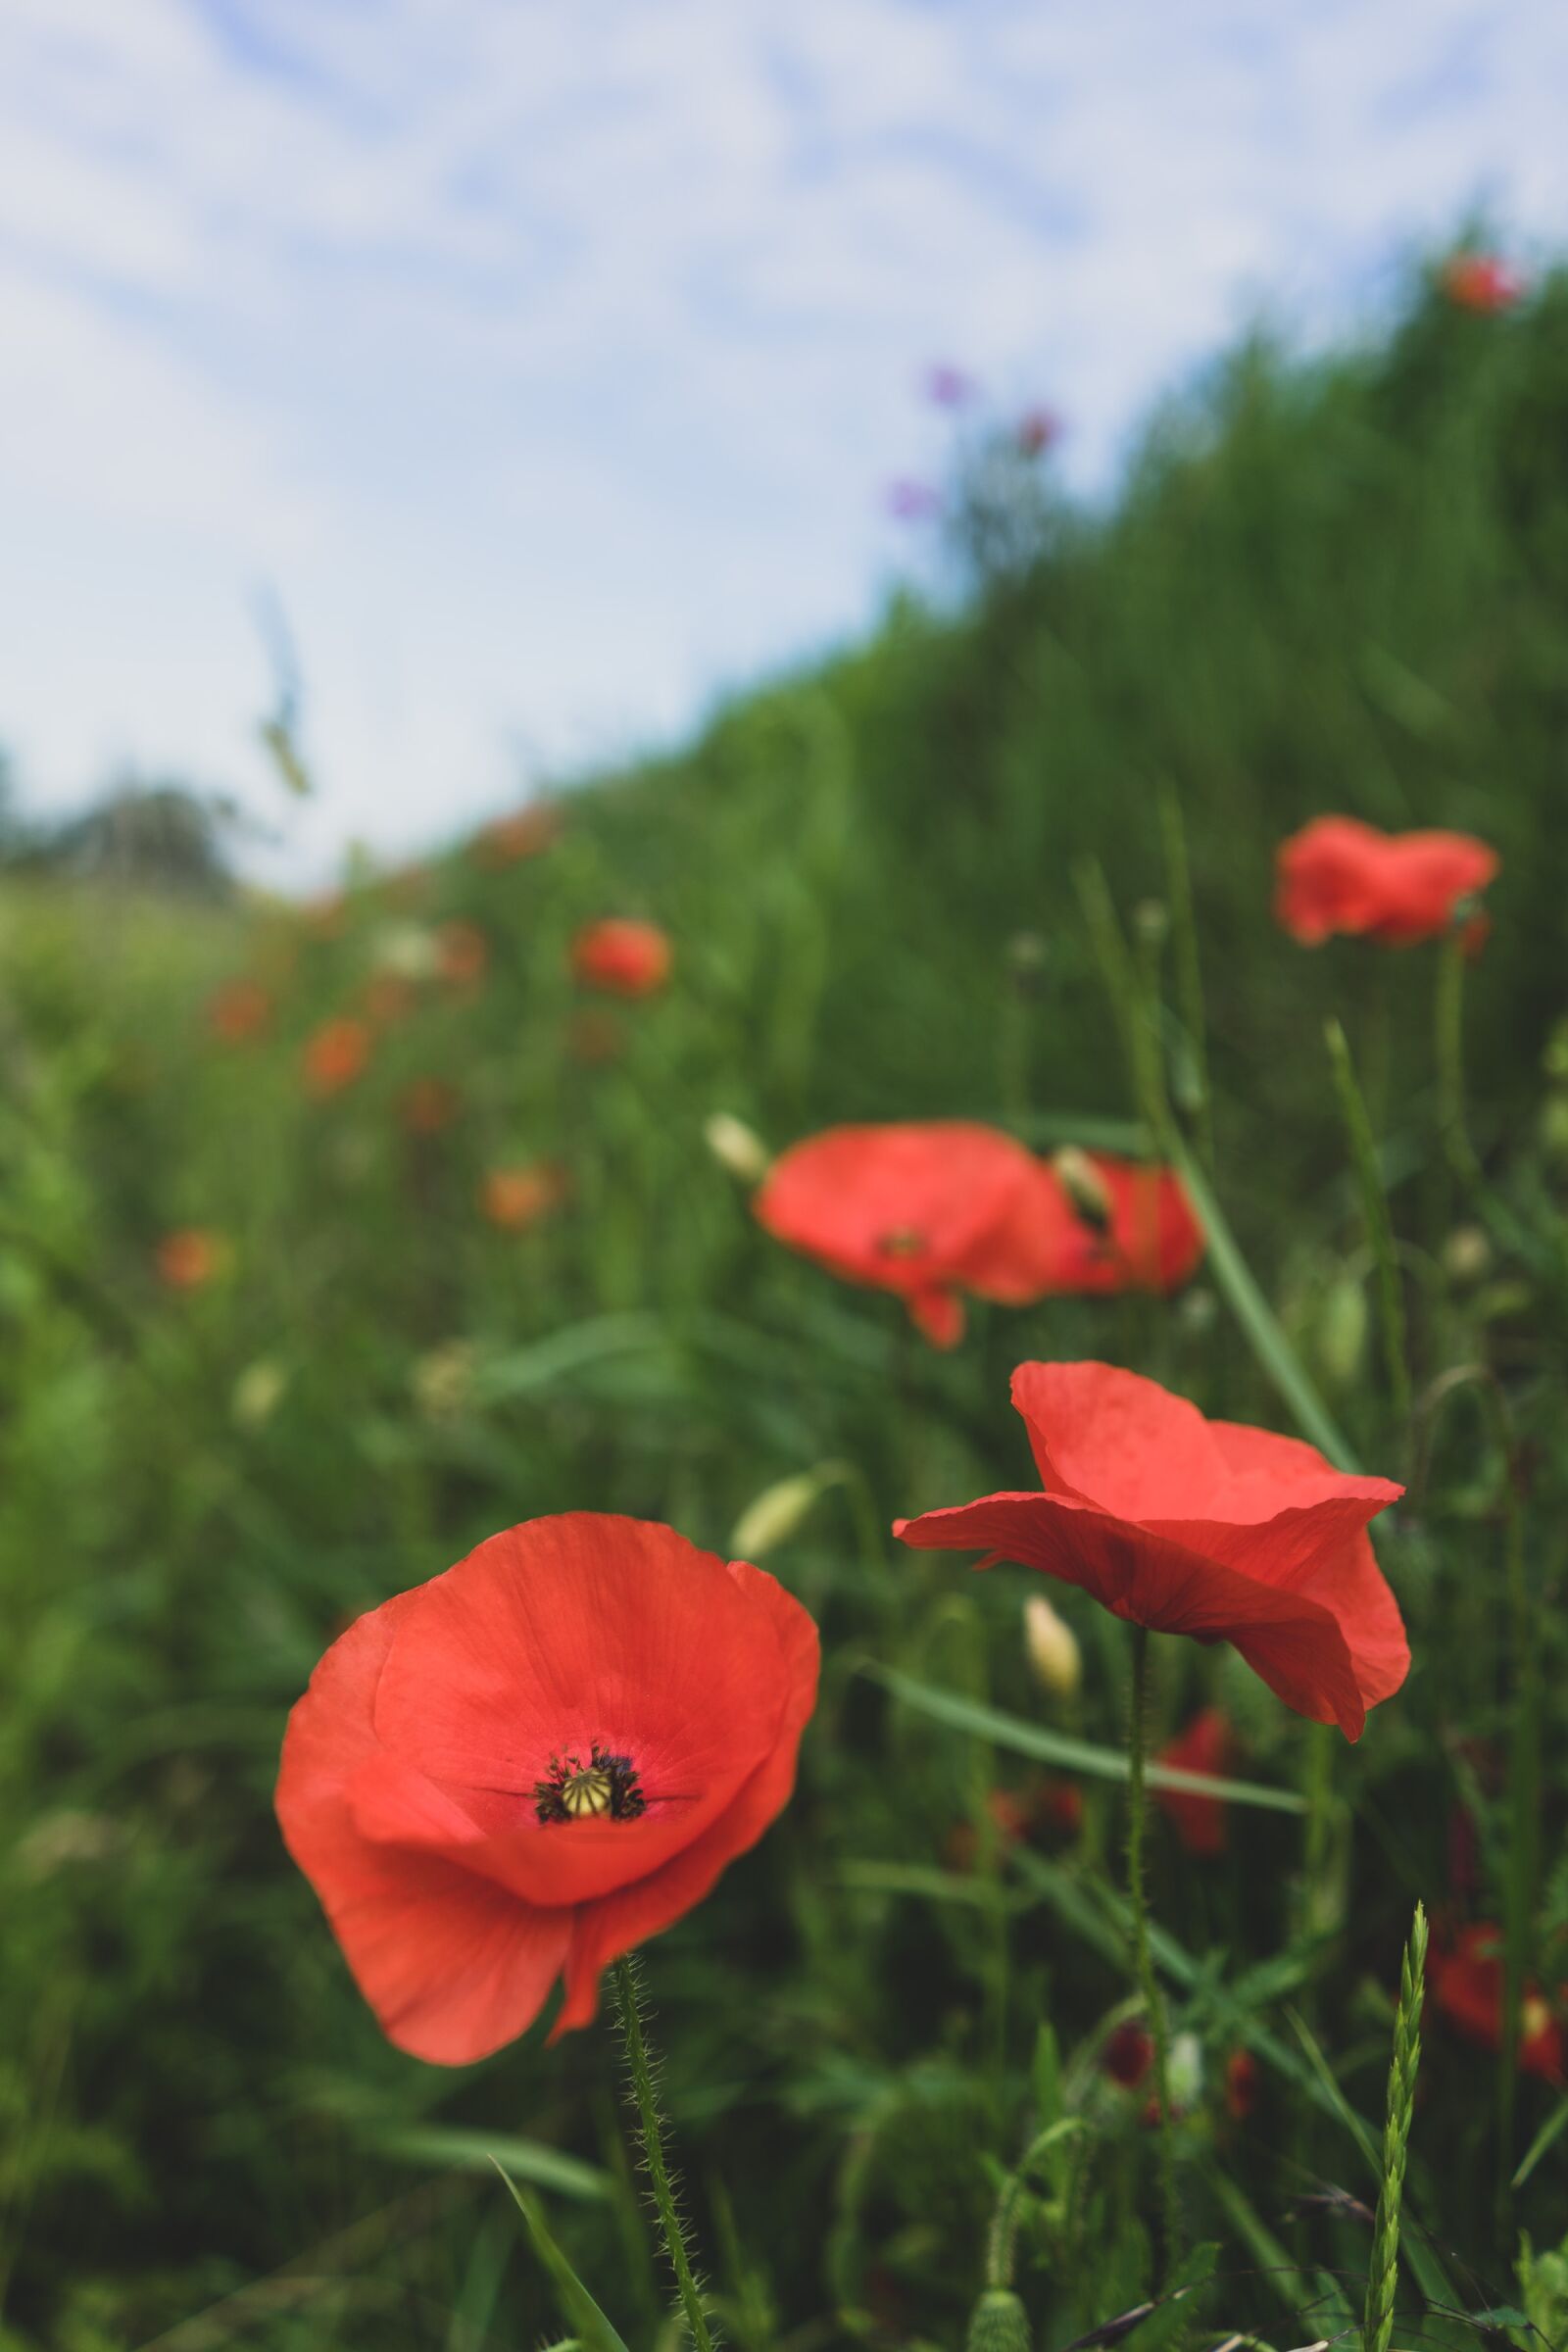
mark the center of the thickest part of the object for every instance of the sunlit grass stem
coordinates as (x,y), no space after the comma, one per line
(1383,2279)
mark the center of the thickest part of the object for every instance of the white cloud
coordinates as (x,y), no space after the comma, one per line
(551,358)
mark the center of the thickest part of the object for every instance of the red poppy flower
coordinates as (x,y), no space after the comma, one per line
(1191,1526)
(1482,281)
(1038,430)
(628,958)
(335,1054)
(1338,875)
(1241,2086)
(1108,1224)
(428,1105)
(462,952)
(239,1010)
(523,834)
(922,1211)
(516,1197)
(188,1259)
(1208,1745)
(1467,1981)
(1128,2054)
(533,1763)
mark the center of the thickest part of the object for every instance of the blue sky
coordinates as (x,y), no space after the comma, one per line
(549,360)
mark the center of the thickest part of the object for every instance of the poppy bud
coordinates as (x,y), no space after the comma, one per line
(770,1518)
(257,1392)
(407,950)
(1152,921)
(442,1380)
(1085,1187)
(999,2323)
(1053,1648)
(1466,1254)
(736,1147)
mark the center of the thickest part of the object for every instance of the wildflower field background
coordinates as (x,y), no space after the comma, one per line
(333,1240)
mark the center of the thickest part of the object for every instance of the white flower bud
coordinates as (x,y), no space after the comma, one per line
(1052,1647)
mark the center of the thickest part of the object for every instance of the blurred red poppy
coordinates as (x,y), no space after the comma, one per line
(1128,2054)
(426,1106)
(1241,2086)
(521,835)
(516,1197)
(1206,1746)
(1191,1526)
(188,1257)
(462,952)
(1338,875)
(1038,430)
(628,958)
(533,1763)
(1466,1978)
(1482,281)
(1108,1224)
(239,1010)
(335,1054)
(924,1210)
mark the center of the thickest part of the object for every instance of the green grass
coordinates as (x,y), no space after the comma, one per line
(1331,586)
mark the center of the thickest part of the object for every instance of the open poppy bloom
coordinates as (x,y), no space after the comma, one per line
(1191,1526)
(1107,1224)
(523,1768)
(1466,1980)
(624,958)
(1482,281)
(923,1210)
(1206,1746)
(335,1054)
(1338,875)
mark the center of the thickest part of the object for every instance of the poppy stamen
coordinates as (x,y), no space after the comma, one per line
(576,1791)
(901,1241)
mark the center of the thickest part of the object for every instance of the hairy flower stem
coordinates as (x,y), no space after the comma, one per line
(642,2095)
(1137,1905)
(1378,2325)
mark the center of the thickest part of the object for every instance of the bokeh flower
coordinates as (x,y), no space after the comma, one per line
(428,1105)
(462,952)
(1465,1981)
(1207,1744)
(335,1054)
(1108,1224)
(238,1010)
(1339,875)
(1483,281)
(505,840)
(516,1198)
(909,501)
(188,1257)
(1038,430)
(623,957)
(1191,1526)
(531,1764)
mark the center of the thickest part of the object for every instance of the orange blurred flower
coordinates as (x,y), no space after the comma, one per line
(239,1010)
(335,1054)
(628,958)
(516,1197)
(1482,281)
(521,835)
(188,1257)
(427,1105)
(464,952)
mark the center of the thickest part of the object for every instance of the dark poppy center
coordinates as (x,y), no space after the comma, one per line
(573,1791)
(903,1241)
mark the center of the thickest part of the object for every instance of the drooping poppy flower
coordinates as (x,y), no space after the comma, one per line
(462,952)
(508,839)
(335,1054)
(1466,1978)
(1191,1526)
(625,958)
(428,1105)
(521,1769)
(926,1210)
(188,1257)
(1206,1746)
(1338,875)
(1107,1224)
(238,1010)
(1482,281)
(516,1197)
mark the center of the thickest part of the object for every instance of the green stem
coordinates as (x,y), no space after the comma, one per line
(1452,1134)
(1379,1230)
(1377,2330)
(644,2097)
(1188,971)
(1147,1981)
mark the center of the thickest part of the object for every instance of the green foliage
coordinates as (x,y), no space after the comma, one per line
(1337,585)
